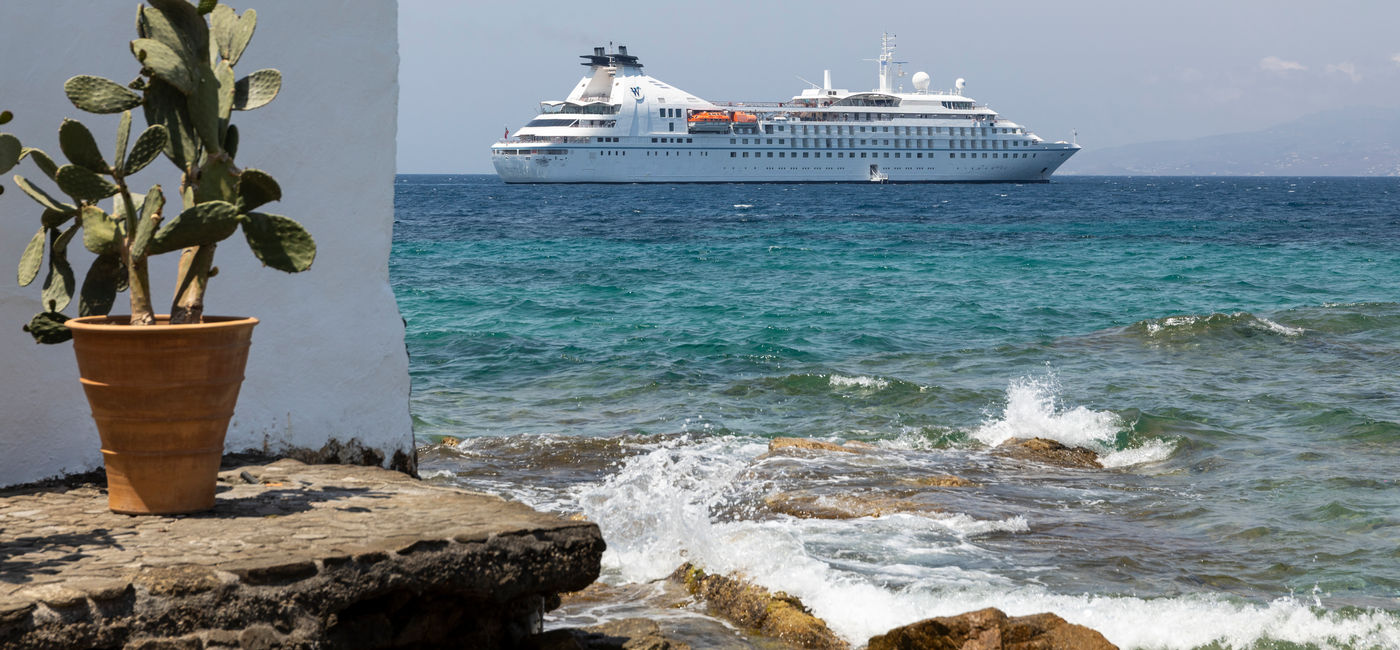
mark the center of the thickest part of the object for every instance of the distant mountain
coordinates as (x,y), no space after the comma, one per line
(1350,142)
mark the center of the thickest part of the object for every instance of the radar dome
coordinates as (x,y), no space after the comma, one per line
(921,81)
(959,84)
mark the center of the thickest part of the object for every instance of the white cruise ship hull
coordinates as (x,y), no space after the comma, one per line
(704,165)
(620,125)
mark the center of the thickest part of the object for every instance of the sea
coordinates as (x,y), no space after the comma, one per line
(1229,347)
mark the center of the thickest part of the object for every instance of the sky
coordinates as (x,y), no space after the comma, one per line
(1118,72)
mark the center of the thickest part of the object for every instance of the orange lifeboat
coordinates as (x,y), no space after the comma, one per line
(708,117)
(745,118)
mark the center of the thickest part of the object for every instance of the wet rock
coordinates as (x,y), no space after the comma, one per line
(943,480)
(1050,452)
(779,616)
(991,629)
(809,505)
(815,445)
(625,634)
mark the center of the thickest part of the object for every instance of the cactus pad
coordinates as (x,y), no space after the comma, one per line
(58,286)
(257,89)
(205,223)
(42,160)
(48,327)
(99,95)
(10,150)
(232,33)
(164,63)
(148,145)
(43,197)
(165,105)
(123,138)
(99,231)
(147,222)
(279,242)
(77,143)
(256,188)
(100,286)
(187,21)
(82,184)
(31,259)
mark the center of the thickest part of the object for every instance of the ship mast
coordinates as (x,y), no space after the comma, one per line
(886,60)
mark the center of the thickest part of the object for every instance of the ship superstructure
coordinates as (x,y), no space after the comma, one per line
(621,125)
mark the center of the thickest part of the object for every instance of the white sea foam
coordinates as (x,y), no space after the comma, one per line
(743,206)
(1033,410)
(1149,452)
(1158,326)
(842,381)
(1279,328)
(664,507)
(437,473)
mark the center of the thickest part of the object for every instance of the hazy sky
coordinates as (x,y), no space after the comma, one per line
(1118,71)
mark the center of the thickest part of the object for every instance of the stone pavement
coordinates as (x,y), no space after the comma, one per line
(292,555)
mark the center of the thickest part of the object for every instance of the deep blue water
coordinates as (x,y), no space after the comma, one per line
(1229,346)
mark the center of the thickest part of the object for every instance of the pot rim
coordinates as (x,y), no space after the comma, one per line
(123,323)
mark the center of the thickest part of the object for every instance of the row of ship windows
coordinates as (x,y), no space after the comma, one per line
(874,154)
(848,143)
(814,129)
(759,154)
(851,142)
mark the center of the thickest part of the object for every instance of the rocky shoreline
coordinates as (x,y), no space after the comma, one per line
(773,621)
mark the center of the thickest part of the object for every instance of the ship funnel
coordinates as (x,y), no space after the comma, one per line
(622,49)
(826,80)
(598,51)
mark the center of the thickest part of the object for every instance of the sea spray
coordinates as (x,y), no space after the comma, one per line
(1033,410)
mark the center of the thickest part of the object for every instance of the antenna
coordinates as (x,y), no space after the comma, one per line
(886,58)
(809,83)
(1076,135)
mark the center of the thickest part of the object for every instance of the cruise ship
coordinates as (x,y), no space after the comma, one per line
(621,125)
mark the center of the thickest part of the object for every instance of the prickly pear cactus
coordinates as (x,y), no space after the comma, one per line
(187,92)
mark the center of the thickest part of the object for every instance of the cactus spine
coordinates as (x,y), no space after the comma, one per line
(187,91)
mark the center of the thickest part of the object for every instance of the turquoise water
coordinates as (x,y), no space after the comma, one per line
(1230,348)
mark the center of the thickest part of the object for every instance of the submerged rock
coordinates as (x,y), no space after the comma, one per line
(943,480)
(747,605)
(991,629)
(808,505)
(816,445)
(1051,452)
(625,634)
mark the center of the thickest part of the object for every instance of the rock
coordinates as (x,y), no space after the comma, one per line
(625,634)
(816,445)
(306,556)
(991,629)
(1050,452)
(943,480)
(808,505)
(747,605)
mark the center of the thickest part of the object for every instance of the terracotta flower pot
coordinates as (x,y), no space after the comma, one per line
(162,397)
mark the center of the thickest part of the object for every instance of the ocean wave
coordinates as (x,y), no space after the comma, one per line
(1238,324)
(862,381)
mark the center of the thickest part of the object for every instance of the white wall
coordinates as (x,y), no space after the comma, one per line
(328,360)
